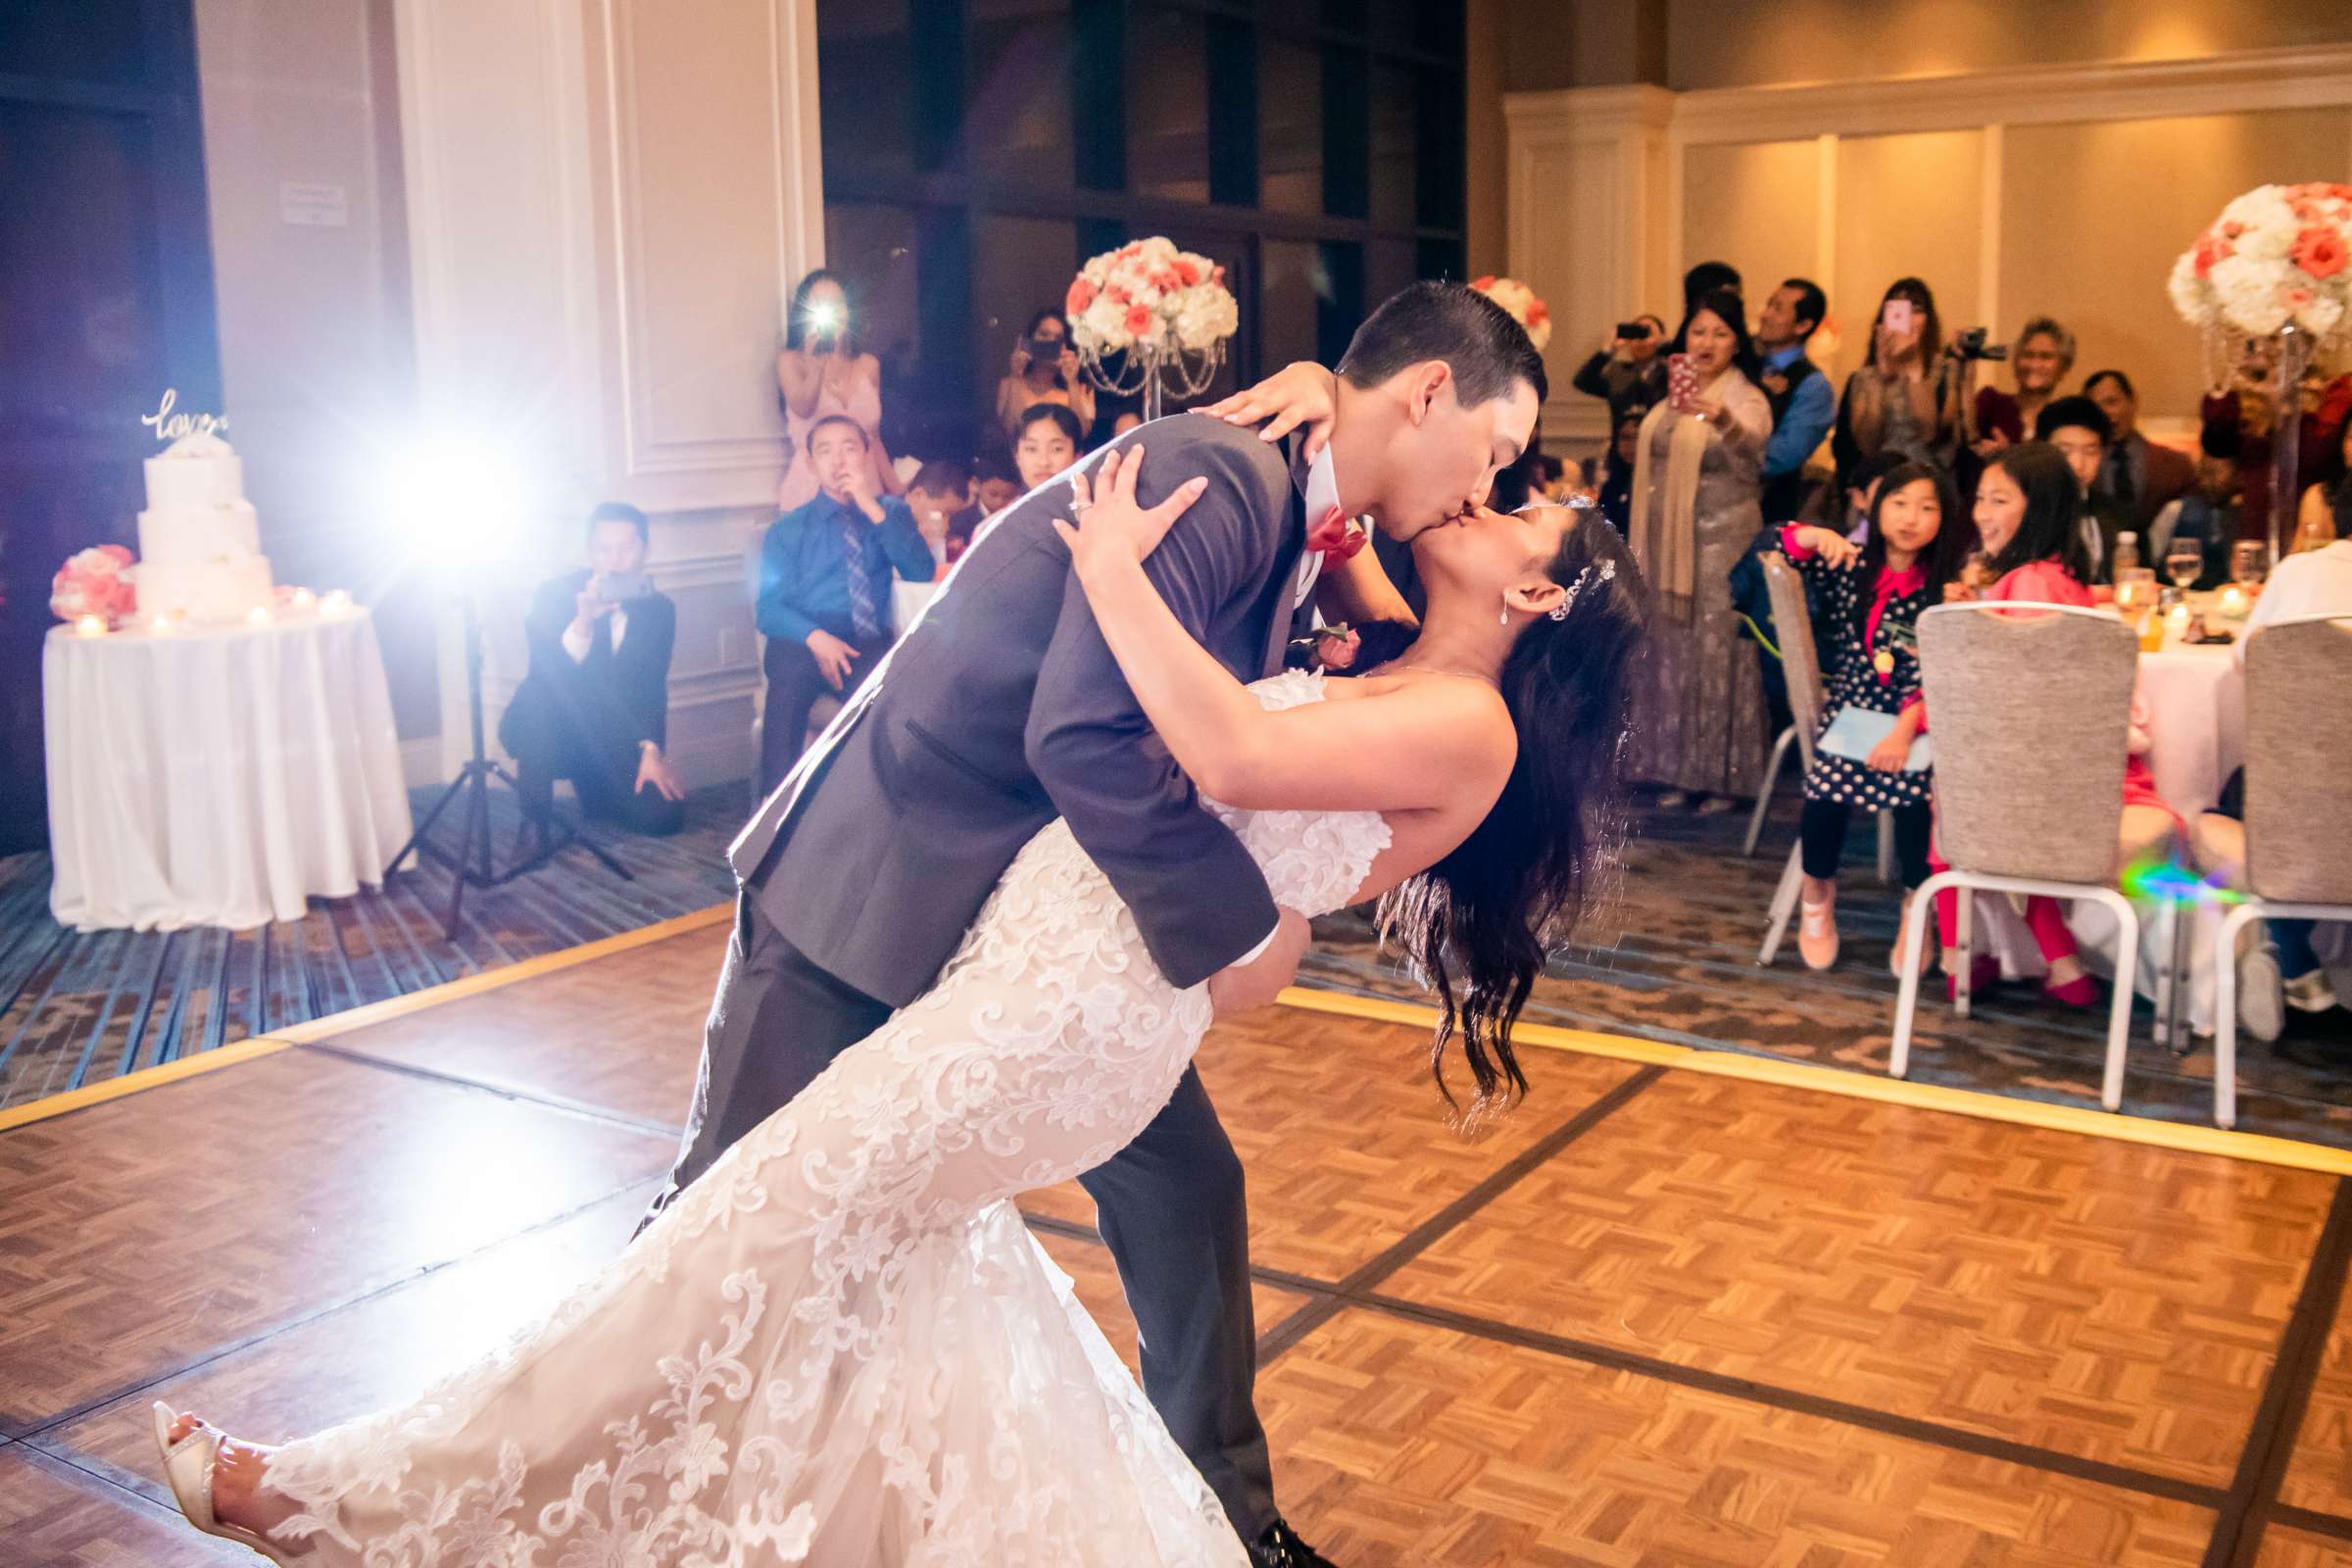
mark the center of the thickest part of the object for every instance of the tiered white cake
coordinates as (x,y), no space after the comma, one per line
(200,546)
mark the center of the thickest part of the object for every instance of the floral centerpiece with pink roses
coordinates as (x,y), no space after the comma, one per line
(1521,302)
(94,583)
(2277,258)
(2272,279)
(1148,314)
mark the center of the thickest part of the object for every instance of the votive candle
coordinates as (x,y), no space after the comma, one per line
(335,602)
(2232,602)
(303,599)
(160,624)
(258,616)
(89,626)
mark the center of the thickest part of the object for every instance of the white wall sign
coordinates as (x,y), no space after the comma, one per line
(309,206)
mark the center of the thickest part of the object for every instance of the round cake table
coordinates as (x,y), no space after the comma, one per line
(222,776)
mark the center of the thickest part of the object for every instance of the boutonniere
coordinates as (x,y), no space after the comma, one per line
(1336,538)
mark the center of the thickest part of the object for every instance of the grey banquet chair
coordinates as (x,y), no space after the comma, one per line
(2031,706)
(1800,661)
(2298,805)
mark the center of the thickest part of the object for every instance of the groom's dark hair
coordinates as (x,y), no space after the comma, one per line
(1486,350)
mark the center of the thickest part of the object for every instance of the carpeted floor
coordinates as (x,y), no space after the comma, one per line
(1669,956)
(78,1008)
(1672,958)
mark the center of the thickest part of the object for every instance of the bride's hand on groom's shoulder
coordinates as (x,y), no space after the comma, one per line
(1112,529)
(1302,393)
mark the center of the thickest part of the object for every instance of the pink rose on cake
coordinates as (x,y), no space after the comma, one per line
(94,583)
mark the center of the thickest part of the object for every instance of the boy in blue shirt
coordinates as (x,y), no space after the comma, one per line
(826,574)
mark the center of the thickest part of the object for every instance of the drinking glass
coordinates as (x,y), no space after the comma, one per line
(2184,560)
(2134,589)
(2246,563)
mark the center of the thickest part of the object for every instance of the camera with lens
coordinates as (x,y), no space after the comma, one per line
(1971,345)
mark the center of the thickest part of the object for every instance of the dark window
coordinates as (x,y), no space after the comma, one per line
(975,150)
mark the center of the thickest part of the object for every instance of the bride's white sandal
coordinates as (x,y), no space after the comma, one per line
(188,1467)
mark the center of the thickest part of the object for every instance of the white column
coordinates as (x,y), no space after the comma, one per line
(609,202)
(1593,225)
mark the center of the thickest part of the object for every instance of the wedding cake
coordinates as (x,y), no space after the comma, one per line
(199,542)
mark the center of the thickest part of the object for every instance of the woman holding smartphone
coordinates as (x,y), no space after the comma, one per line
(819,373)
(1044,369)
(1906,397)
(1696,505)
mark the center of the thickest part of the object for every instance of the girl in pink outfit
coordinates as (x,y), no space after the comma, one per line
(2025,509)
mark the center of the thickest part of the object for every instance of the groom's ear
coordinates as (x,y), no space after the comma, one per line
(1424,383)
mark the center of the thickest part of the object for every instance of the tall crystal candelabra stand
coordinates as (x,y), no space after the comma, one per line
(1154,372)
(2293,350)
(2287,439)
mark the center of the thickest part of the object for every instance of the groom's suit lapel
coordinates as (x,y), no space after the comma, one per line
(1286,550)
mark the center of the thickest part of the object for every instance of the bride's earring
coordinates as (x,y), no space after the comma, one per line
(1503,620)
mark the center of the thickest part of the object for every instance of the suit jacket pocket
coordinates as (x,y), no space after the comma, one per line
(1025,792)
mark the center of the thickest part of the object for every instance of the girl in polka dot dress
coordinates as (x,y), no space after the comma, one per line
(1871,596)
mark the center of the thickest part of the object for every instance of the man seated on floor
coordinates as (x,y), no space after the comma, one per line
(593,707)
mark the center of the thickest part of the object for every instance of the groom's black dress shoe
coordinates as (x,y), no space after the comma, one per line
(1281,1548)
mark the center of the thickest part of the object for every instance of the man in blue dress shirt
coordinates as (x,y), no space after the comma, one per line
(1804,408)
(826,574)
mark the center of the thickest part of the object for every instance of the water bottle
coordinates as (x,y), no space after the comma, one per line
(2127,556)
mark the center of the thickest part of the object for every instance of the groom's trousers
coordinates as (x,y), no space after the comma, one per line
(1170,1206)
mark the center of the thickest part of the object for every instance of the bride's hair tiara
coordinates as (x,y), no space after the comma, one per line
(1559,612)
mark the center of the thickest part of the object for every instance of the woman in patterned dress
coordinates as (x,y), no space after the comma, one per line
(1696,506)
(1873,594)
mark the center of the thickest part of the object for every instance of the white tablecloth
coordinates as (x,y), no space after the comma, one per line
(2197,720)
(907,601)
(218,777)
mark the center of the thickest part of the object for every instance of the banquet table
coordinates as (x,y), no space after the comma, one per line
(2197,716)
(218,776)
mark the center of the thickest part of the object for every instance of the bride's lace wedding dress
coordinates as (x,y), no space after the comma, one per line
(841,1347)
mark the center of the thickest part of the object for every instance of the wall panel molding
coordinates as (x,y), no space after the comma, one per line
(610,202)
(1578,150)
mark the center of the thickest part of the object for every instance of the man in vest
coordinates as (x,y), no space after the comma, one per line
(1802,405)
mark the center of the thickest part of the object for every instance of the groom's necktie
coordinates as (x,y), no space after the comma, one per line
(865,616)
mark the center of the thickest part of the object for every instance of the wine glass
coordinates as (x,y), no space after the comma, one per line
(2183,562)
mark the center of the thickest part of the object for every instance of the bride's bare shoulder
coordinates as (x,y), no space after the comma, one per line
(1467,713)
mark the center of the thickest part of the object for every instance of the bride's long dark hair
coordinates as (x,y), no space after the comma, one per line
(1478,925)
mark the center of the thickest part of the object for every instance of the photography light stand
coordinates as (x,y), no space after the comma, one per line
(474,861)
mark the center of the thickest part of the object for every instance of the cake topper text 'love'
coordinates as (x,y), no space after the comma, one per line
(170,426)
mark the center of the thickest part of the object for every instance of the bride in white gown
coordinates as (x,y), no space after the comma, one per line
(841,1347)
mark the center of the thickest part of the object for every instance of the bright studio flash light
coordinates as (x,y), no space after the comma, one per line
(456,496)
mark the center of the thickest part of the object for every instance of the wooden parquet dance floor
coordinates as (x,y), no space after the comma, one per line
(1659,1319)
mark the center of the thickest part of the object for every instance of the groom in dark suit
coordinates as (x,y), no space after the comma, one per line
(1001,709)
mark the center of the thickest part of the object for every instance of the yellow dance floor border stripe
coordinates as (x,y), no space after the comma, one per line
(374,1012)
(2178,1136)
